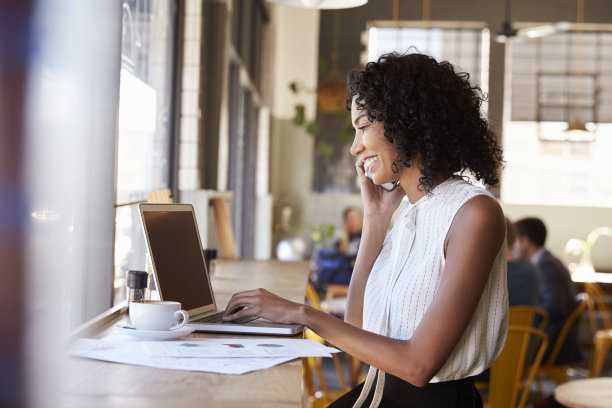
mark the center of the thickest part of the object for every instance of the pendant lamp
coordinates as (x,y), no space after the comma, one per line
(576,128)
(321,4)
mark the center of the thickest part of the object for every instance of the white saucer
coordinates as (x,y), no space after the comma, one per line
(157,334)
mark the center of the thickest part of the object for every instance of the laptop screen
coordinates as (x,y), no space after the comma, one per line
(176,253)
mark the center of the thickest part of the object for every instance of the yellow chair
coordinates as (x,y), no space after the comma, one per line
(324,396)
(335,299)
(525,315)
(596,303)
(335,303)
(522,315)
(508,387)
(558,372)
(602,339)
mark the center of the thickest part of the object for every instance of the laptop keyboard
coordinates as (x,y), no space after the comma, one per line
(217,318)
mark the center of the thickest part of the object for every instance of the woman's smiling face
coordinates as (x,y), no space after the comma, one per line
(372,147)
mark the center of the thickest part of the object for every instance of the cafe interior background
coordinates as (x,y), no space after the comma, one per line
(104,101)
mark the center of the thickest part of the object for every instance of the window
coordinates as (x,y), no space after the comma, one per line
(249,27)
(554,80)
(465,45)
(144,142)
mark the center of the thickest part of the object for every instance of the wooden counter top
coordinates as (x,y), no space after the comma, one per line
(92,384)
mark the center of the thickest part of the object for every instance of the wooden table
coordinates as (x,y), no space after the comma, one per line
(92,383)
(588,393)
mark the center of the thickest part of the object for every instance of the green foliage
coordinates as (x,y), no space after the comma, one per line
(319,233)
(324,148)
(322,232)
(312,128)
(347,133)
(323,66)
(298,119)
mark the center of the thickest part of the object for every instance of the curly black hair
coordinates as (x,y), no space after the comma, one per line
(430,110)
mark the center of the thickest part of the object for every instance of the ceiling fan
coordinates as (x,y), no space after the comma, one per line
(509,33)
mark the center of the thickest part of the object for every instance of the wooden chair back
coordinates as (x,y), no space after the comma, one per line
(163,196)
(525,316)
(507,388)
(312,365)
(597,305)
(569,322)
(558,372)
(223,223)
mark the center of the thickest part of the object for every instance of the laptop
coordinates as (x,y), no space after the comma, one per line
(175,249)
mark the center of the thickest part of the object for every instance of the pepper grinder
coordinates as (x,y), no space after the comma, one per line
(137,286)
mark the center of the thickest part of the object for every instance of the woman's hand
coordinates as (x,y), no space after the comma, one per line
(376,200)
(261,303)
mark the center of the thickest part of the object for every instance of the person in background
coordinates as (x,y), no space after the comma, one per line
(427,306)
(334,265)
(523,277)
(557,294)
(351,233)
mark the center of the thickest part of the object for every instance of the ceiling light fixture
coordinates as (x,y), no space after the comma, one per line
(576,128)
(321,4)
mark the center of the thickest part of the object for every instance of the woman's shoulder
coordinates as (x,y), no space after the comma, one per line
(483,216)
(455,192)
(482,208)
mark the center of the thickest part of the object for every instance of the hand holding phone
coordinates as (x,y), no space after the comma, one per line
(387,186)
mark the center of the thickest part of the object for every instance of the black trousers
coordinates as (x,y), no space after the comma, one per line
(399,393)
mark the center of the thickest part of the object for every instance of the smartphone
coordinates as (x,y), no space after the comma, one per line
(387,186)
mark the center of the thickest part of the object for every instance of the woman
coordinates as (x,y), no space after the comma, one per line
(427,305)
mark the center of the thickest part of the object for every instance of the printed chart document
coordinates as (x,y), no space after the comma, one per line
(238,348)
(188,354)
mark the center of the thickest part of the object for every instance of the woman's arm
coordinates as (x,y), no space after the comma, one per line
(372,237)
(474,239)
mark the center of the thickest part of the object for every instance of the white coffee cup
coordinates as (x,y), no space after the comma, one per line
(157,315)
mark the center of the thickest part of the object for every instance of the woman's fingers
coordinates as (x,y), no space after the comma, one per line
(238,305)
(261,303)
(243,312)
(244,304)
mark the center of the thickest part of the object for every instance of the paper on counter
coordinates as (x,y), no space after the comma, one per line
(122,349)
(238,348)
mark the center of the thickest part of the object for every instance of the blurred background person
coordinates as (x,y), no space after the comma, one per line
(335,264)
(556,287)
(351,232)
(523,277)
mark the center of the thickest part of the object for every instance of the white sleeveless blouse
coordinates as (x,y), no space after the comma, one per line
(408,271)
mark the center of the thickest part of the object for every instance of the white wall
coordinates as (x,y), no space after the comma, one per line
(296,51)
(295,48)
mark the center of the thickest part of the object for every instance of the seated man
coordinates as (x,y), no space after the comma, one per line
(335,264)
(556,287)
(523,277)
(353,222)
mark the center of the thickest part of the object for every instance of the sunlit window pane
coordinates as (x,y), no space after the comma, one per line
(144,126)
(556,80)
